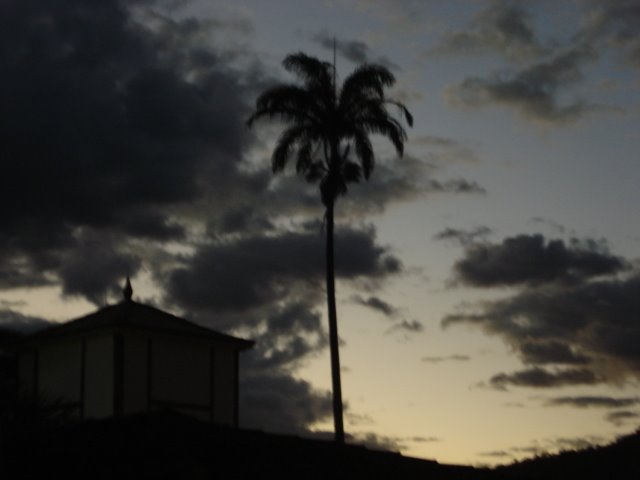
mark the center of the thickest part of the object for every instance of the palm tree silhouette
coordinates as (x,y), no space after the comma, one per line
(323,123)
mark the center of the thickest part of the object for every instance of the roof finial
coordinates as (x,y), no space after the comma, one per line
(127,291)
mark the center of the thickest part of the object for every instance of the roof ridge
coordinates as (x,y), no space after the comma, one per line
(129,313)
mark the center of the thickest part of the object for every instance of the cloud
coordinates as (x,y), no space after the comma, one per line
(407,326)
(496,454)
(262,269)
(280,403)
(620,417)
(386,442)
(594,320)
(593,402)
(454,357)
(540,378)
(503,27)
(456,186)
(576,443)
(554,445)
(392,313)
(614,25)
(287,335)
(443,150)
(378,305)
(118,120)
(551,224)
(535,91)
(530,260)
(402,180)
(462,237)
(421,439)
(94,268)
(355,51)
(550,352)
(18,322)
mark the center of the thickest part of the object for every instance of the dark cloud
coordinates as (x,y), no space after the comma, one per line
(117,121)
(392,313)
(280,403)
(115,133)
(287,335)
(593,402)
(504,27)
(150,225)
(377,441)
(259,270)
(448,358)
(530,260)
(394,180)
(534,91)
(22,270)
(595,319)
(402,180)
(464,237)
(408,326)
(421,439)
(18,322)
(444,150)
(94,269)
(614,25)
(496,454)
(550,352)
(459,185)
(540,78)
(540,378)
(355,51)
(553,225)
(576,443)
(378,305)
(242,219)
(620,417)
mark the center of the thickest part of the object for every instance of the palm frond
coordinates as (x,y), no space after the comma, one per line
(367,79)
(304,158)
(364,152)
(314,72)
(286,144)
(351,172)
(318,121)
(403,111)
(315,171)
(286,102)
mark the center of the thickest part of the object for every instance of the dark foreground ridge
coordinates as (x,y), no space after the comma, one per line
(167,446)
(171,446)
(619,460)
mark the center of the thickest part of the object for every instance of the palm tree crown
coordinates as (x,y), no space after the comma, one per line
(323,124)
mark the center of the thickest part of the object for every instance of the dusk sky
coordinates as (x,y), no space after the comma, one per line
(488,282)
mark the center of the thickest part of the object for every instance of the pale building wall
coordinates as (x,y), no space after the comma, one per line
(98,384)
(158,371)
(135,382)
(59,371)
(225,369)
(180,373)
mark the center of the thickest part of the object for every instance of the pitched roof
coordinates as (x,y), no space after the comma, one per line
(137,315)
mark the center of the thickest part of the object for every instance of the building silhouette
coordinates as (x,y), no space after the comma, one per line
(132,358)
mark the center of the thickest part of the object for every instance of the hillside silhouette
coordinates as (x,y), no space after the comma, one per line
(618,460)
(170,446)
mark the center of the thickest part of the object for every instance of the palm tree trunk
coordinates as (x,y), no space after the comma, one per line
(333,330)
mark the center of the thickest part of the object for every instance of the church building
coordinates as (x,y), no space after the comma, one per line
(131,358)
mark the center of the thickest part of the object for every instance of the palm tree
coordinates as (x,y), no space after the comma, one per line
(324,124)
